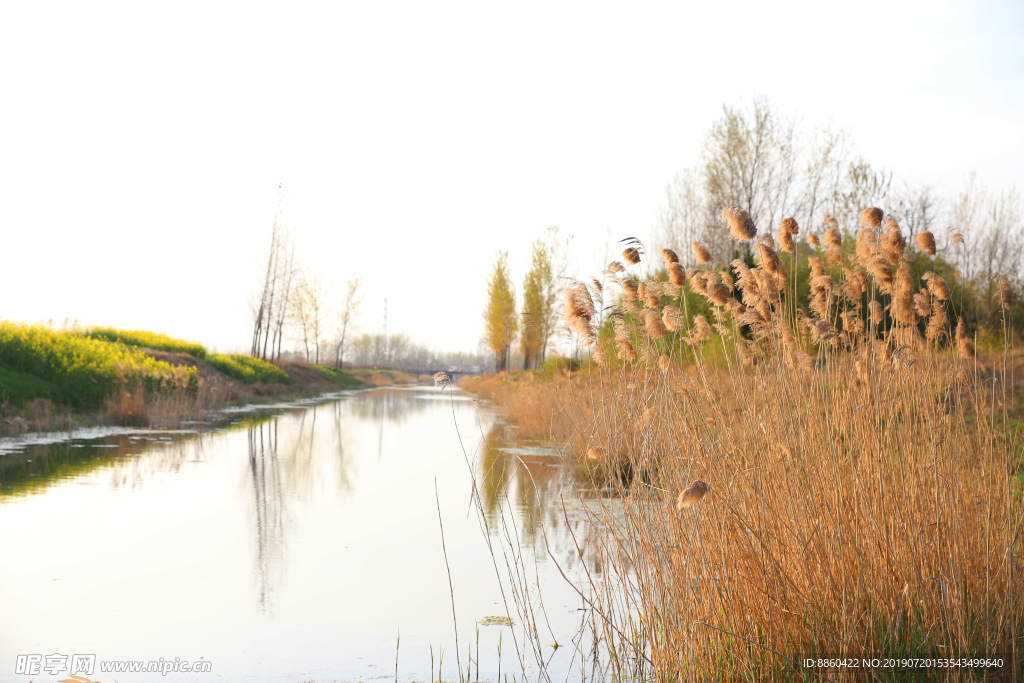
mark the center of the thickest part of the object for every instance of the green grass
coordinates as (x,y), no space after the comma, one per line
(83,370)
(248,369)
(147,340)
(18,388)
(340,376)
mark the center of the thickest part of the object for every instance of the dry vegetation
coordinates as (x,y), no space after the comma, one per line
(862,462)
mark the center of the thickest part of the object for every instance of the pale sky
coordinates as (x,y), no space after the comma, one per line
(142,145)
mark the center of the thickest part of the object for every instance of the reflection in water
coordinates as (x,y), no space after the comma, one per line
(532,474)
(394,407)
(266,484)
(313,532)
(34,469)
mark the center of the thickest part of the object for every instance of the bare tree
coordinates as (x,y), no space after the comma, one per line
(993,235)
(862,187)
(302,312)
(289,268)
(319,294)
(749,158)
(267,304)
(555,252)
(686,215)
(310,308)
(362,347)
(822,177)
(350,305)
(916,208)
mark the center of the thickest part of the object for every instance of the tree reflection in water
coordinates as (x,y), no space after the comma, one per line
(265,470)
(532,481)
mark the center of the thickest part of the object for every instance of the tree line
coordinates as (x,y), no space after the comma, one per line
(296,302)
(401,352)
(755,157)
(534,324)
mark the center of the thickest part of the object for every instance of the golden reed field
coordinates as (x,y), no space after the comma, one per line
(832,482)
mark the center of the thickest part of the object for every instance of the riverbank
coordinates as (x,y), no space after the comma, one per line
(68,379)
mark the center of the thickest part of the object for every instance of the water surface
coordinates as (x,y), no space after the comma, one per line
(291,546)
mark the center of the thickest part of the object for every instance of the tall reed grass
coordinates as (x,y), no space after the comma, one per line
(837,479)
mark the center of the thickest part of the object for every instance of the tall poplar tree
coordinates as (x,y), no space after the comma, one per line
(501,323)
(533,302)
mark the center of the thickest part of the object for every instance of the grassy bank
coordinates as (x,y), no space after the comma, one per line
(835,481)
(61,379)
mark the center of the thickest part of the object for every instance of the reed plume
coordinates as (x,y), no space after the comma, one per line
(670,318)
(676,274)
(692,494)
(718,294)
(965,345)
(651,296)
(631,255)
(698,281)
(893,242)
(867,246)
(669,256)
(877,315)
(652,324)
(770,261)
(817,267)
(741,227)
(789,226)
(701,253)
(813,240)
(664,363)
(622,341)
(882,272)
(786,242)
(701,330)
(925,242)
(923,303)
(937,322)
(903,309)
(937,287)
(833,238)
(630,289)
(1002,294)
(579,311)
(872,218)
(855,283)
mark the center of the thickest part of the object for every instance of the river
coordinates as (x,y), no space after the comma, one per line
(297,542)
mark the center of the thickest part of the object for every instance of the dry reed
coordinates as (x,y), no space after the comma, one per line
(864,497)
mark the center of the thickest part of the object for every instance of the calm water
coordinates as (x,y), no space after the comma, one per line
(291,546)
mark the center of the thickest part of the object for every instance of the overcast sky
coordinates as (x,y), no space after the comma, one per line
(142,145)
